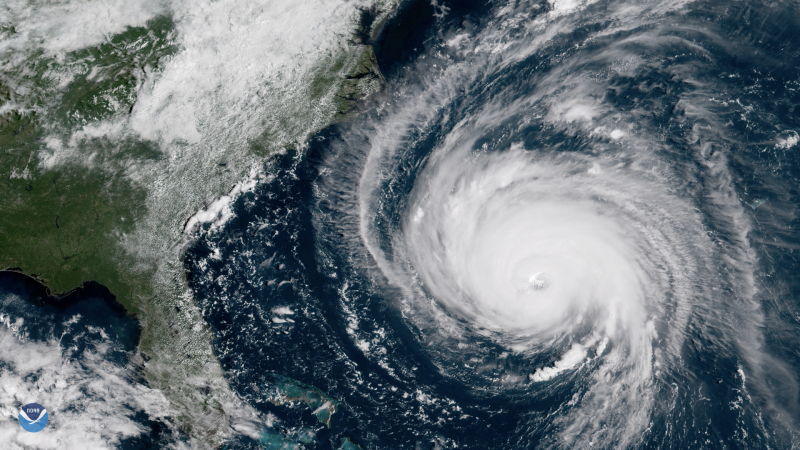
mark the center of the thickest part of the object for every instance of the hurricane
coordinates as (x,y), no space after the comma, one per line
(563,224)
(539,255)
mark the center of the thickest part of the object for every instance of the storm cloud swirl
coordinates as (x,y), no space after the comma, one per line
(562,225)
(556,188)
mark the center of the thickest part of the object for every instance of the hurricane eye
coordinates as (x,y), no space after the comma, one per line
(539,281)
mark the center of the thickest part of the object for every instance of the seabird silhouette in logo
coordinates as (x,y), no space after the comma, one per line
(33,417)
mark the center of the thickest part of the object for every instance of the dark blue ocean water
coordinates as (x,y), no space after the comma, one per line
(688,108)
(70,352)
(709,88)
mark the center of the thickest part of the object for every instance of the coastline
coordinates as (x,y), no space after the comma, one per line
(135,248)
(175,344)
(63,300)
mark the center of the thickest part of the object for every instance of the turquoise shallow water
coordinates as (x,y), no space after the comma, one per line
(640,158)
(562,225)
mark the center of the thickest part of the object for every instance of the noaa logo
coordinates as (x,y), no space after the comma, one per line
(33,417)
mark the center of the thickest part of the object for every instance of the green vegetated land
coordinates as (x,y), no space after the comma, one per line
(361,81)
(67,203)
(362,78)
(64,224)
(352,71)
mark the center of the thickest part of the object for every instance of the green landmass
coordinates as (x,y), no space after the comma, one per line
(285,390)
(63,224)
(106,76)
(78,205)
(66,222)
(362,80)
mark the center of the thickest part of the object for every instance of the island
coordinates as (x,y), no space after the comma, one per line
(117,135)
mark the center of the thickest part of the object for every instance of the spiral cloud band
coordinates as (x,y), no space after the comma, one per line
(586,265)
(557,227)
(526,246)
(554,251)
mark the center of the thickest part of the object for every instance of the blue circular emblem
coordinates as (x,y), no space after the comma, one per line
(33,417)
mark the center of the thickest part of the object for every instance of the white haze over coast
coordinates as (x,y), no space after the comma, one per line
(90,400)
(244,73)
(584,257)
